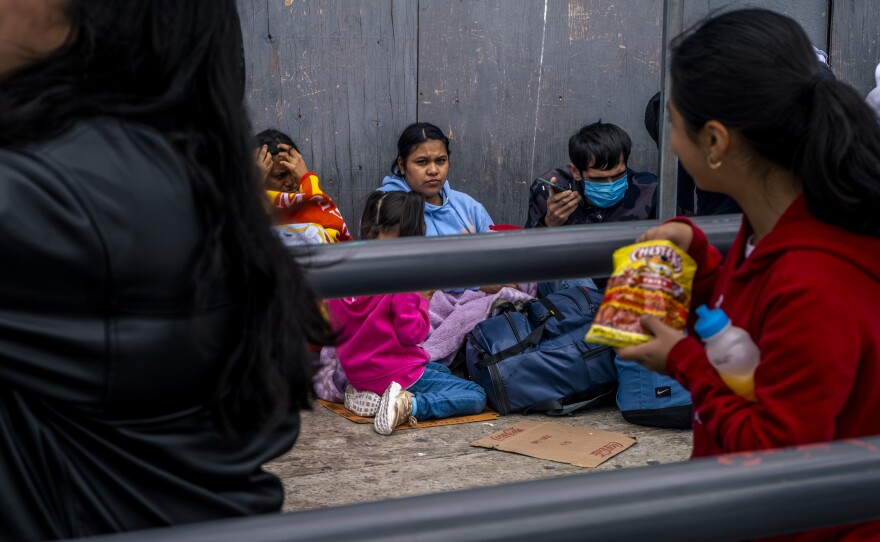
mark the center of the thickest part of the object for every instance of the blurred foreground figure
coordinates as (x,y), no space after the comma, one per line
(148,367)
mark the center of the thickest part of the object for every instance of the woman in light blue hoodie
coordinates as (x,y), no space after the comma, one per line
(422,165)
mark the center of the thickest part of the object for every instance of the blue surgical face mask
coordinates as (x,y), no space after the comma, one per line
(605,195)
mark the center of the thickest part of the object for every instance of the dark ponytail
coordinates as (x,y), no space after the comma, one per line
(756,72)
(840,159)
(384,211)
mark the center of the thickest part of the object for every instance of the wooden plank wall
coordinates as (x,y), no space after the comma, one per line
(340,78)
(508,80)
(811,14)
(855,52)
(515,78)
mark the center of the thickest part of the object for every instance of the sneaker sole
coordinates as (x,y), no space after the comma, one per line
(382,423)
(362,403)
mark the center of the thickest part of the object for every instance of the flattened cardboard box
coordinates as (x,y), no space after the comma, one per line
(561,443)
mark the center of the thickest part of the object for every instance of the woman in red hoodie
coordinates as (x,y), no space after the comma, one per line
(752,118)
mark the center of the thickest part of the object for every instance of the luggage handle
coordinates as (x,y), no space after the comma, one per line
(531,340)
(551,310)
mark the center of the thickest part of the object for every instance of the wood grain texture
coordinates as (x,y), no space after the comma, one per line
(516,78)
(855,52)
(811,14)
(508,80)
(340,78)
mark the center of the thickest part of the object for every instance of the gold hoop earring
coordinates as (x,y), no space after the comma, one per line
(713,165)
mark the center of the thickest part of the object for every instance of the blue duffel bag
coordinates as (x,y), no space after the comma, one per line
(533,358)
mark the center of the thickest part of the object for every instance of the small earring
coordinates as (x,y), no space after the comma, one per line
(713,165)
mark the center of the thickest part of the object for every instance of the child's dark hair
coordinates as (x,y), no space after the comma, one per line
(385,211)
(272,138)
(414,135)
(599,146)
(755,72)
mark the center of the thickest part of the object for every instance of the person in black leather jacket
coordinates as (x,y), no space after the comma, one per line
(148,366)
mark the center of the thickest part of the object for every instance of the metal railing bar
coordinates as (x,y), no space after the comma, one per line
(412,264)
(730,497)
(672,27)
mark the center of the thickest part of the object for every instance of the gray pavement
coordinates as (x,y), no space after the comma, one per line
(336,461)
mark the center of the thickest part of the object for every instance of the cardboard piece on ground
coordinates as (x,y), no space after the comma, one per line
(338,408)
(577,446)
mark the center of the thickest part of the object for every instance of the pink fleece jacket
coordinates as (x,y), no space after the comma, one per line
(380,337)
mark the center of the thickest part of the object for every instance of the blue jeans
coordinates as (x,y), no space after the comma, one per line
(439,394)
(545,288)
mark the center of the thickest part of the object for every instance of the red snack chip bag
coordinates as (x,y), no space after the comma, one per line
(656,278)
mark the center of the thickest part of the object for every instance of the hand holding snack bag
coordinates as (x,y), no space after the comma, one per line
(651,278)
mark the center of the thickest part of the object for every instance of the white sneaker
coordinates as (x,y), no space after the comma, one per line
(363,403)
(394,409)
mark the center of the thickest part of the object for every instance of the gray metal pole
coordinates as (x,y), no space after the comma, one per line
(412,264)
(732,497)
(672,27)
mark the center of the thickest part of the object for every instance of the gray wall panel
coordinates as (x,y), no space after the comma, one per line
(508,80)
(855,31)
(811,14)
(602,60)
(479,67)
(339,77)
(515,78)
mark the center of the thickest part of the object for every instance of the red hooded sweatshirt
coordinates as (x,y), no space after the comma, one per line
(380,337)
(809,296)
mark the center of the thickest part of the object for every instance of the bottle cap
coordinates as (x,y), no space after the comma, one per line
(710,321)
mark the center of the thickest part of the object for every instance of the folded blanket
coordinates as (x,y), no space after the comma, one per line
(454,314)
(329,380)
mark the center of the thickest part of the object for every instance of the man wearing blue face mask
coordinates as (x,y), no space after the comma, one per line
(595,187)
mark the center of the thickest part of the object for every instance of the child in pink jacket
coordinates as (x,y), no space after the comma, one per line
(380,336)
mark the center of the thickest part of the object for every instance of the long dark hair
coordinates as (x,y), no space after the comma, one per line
(386,210)
(755,71)
(414,135)
(177,67)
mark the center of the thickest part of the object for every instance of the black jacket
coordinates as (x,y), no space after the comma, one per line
(104,369)
(639,202)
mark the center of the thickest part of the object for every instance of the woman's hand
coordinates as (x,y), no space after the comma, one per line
(293,162)
(654,353)
(264,162)
(678,232)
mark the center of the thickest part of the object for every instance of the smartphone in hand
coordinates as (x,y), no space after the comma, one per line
(550,186)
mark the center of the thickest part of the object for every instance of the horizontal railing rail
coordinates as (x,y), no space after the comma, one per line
(722,498)
(730,497)
(412,264)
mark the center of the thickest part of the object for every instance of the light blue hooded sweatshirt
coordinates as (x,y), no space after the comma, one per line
(459,213)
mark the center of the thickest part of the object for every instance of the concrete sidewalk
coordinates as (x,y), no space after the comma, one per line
(336,461)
